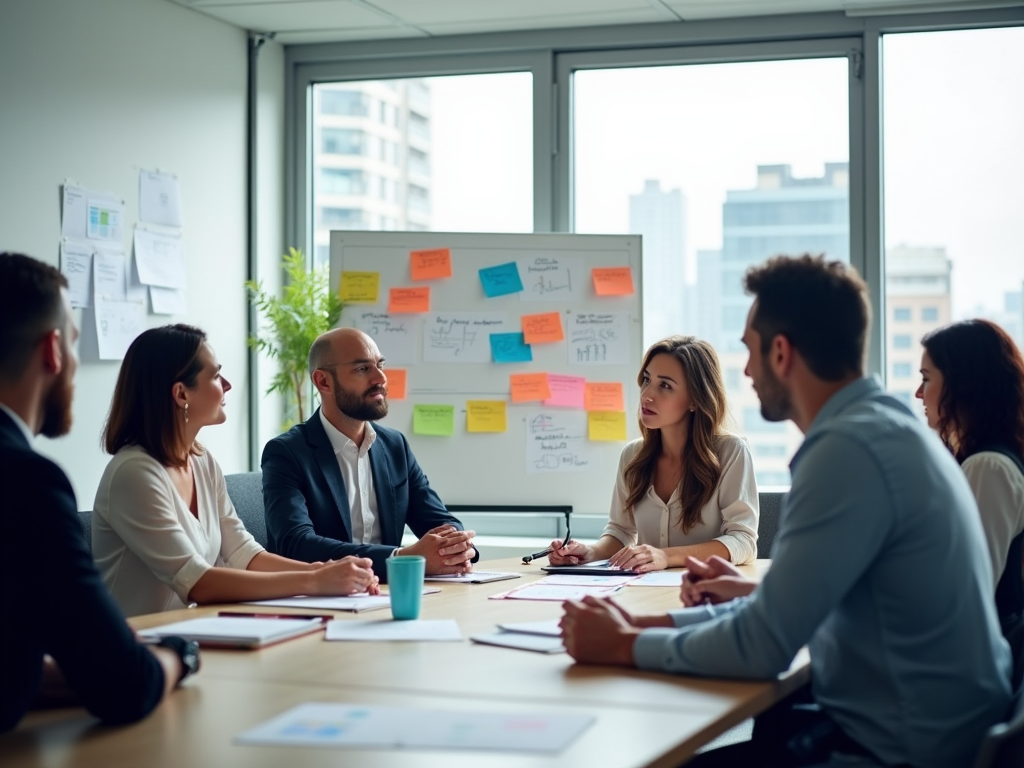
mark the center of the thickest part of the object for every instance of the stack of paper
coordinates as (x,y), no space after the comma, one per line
(355,603)
(440,629)
(539,636)
(236,632)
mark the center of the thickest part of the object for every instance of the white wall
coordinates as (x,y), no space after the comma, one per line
(95,90)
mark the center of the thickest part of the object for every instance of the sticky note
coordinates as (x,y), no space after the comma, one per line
(409,300)
(613,281)
(603,396)
(510,348)
(437,420)
(566,390)
(527,387)
(486,416)
(397,378)
(501,280)
(432,264)
(359,286)
(542,328)
(606,425)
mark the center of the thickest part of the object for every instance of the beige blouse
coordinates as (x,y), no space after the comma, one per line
(729,517)
(148,546)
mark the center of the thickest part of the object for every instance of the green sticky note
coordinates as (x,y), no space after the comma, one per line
(438,420)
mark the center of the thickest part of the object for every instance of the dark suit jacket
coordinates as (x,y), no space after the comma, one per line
(55,601)
(306,504)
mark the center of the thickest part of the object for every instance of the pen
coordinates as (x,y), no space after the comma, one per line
(307,616)
(527,559)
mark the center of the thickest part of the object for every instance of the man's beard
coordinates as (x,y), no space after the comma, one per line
(355,406)
(776,404)
(57,408)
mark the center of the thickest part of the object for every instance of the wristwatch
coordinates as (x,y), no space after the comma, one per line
(188,652)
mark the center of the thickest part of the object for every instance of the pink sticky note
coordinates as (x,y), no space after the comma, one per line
(567,391)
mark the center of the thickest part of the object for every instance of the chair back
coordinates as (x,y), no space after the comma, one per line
(1003,745)
(246,492)
(85,518)
(770,503)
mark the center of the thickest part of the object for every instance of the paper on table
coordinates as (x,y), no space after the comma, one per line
(436,420)
(584,580)
(168,301)
(546,628)
(76,264)
(538,591)
(606,425)
(388,629)
(397,383)
(474,577)
(528,387)
(461,337)
(486,416)
(409,300)
(501,280)
(659,579)
(556,442)
(320,724)
(160,259)
(159,198)
(358,603)
(598,338)
(603,396)
(363,287)
(117,325)
(510,348)
(110,276)
(566,391)
(522,642)
(431,264)
(613,281)
(550,278)
(396,335)
(542,328)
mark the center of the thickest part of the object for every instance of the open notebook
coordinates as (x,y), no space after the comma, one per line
(236,632)
(596,568)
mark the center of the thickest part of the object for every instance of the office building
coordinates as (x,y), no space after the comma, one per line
(660,217)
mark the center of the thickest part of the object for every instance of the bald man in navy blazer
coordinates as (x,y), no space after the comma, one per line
(337,485)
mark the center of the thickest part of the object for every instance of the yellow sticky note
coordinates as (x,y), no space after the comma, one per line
(486,416)
(359,286)
(438,420)
(606,425)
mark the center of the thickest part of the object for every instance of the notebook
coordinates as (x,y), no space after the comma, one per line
(236,632)
(476,577)
(596,568)
(521,642)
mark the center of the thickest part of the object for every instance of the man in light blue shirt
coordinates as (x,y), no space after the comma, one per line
(880,565)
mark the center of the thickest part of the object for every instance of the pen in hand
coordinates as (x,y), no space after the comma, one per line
(527,559)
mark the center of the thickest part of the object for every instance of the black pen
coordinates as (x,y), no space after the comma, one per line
(527,559)
(306,616)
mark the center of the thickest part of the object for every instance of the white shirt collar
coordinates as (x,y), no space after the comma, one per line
(20,422)
(340,442)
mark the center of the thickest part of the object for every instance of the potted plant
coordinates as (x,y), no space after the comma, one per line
(307,308)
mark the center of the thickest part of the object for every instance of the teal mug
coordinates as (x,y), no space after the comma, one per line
(405,584)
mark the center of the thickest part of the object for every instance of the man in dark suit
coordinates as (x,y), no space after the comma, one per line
(65,641)
(338,485)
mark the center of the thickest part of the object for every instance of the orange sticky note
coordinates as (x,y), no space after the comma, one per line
(603,396)
(543,327)
(432,264)
(613,281)
(397,378)
(527,387)
(409,300)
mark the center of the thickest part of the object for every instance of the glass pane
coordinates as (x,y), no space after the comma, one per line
(954,160)
(718,166)
(441,153)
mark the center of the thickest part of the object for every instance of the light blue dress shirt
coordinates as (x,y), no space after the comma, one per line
(881,567)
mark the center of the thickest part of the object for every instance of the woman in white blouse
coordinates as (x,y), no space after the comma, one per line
(686,488)
(164,532)
(972,386)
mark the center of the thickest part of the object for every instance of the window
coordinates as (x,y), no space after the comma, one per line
(773,450)
(902,370)
(775,478)
(901,314)
(902,341)
(754,422)
(421,154)
(929,314)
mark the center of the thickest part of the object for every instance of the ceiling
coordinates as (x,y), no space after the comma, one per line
(318,21)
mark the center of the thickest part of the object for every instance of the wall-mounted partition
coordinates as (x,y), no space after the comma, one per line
(517,355)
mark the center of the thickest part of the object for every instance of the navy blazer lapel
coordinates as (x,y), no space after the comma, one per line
(11,432)
(385,493)
(323,452)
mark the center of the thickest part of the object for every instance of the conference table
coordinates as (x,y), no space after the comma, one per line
(641,719)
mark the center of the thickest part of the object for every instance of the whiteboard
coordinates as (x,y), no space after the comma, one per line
(541,458)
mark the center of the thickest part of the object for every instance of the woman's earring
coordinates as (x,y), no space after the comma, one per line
(186,413)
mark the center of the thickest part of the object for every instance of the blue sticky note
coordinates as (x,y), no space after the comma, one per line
(510,348)
(501,280)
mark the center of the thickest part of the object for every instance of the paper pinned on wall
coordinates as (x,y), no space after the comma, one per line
(76,265)
(359,287)
(556,441)
(436,420)
(606,426)
(402,300)
(486,416)
(117,325)
(431,264)
(566,391)
(90,214)
(397,336)
(110,275)
(529,387)
(159,258)
(510,348)
(501,280)
(550,278)
(603,396)
(598,338)
(613,281)
(159,198)
(168,301)
(105,217)
(461,337)
(543,328)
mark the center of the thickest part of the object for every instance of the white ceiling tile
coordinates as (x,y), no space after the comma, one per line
(281,16)
(297,37)
(470,26)
(436,12)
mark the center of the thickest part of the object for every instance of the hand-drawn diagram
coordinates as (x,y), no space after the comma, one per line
(396,335)
(557,442)
(598,338)
(547,278)
(461,337)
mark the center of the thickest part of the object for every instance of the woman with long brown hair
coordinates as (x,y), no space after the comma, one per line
(972,386)
(164,532)
(686,487)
